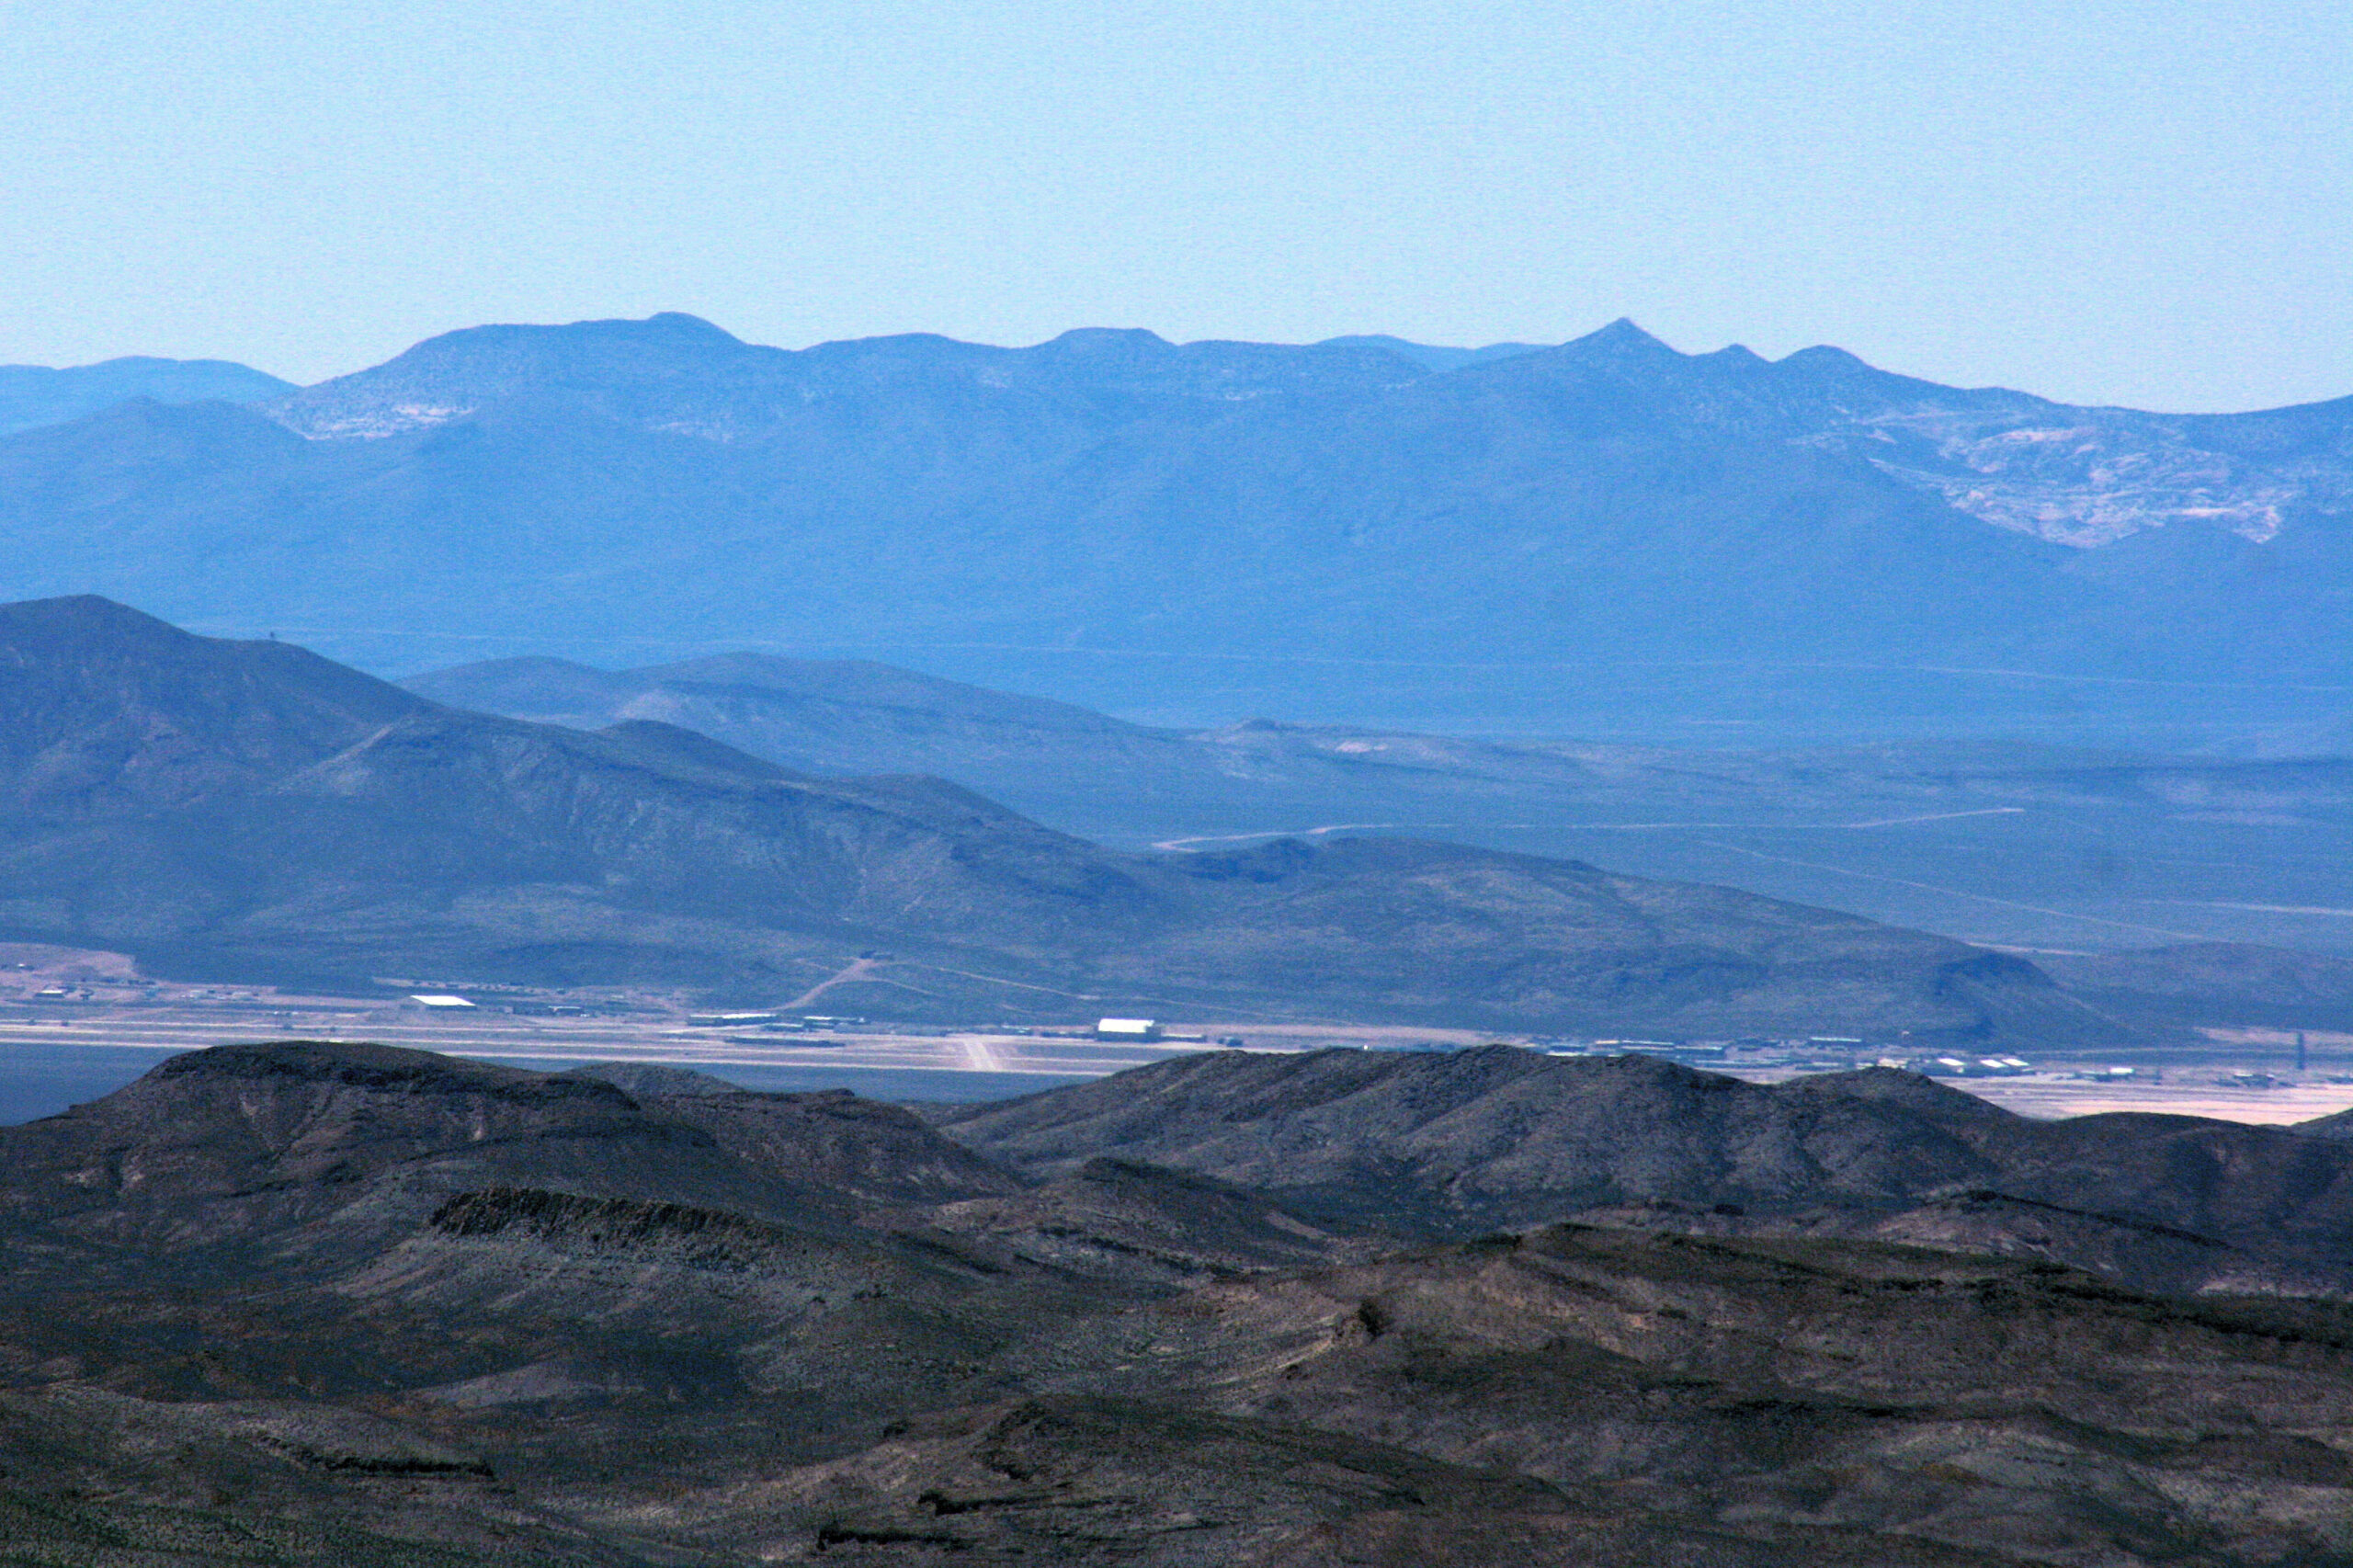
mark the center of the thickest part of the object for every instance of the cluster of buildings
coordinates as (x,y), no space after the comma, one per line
(1816,1053)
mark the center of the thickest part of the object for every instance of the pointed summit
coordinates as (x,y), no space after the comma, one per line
(1620,342)
(82,616)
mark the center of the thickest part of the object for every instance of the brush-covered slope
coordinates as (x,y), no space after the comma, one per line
(2002,842)
(247,807)
(250,803)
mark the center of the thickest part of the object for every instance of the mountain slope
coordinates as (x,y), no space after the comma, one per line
(1277,521)
(252,808)
(327,1149)
(303,1302)
(253,798)
(1501,1137)
(1432,357)
(33,395)
(1999,842)
(821,715)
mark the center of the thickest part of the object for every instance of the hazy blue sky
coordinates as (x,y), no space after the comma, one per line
(2147,202)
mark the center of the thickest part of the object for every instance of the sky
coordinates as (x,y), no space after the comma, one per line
(2148,203)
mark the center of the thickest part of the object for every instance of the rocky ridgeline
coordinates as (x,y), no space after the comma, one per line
(312,1304)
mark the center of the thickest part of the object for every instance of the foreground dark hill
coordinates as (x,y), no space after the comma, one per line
(1503,1137)
(303,1140)
(1306,524)
(306,1303)
(248,808)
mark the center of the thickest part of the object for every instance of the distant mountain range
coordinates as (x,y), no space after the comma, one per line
(1604,530)
(252,809)
(32,396)
(2061,851)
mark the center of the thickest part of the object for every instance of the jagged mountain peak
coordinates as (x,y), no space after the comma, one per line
(1611,499)
(312,1312)
(1501,1137)
(1620,339)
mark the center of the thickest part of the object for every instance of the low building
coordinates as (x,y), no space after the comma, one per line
(441,1001)
(1127,1029)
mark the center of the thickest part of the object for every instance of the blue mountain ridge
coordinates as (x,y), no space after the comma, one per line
(1607,521)
(33,395)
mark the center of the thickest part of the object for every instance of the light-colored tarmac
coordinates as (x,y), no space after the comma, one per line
(123,1014)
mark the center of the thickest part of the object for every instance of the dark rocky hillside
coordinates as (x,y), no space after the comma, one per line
(259,1141)
(2338,1126)
(1497,1137)
(250,808)
(343,1305)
